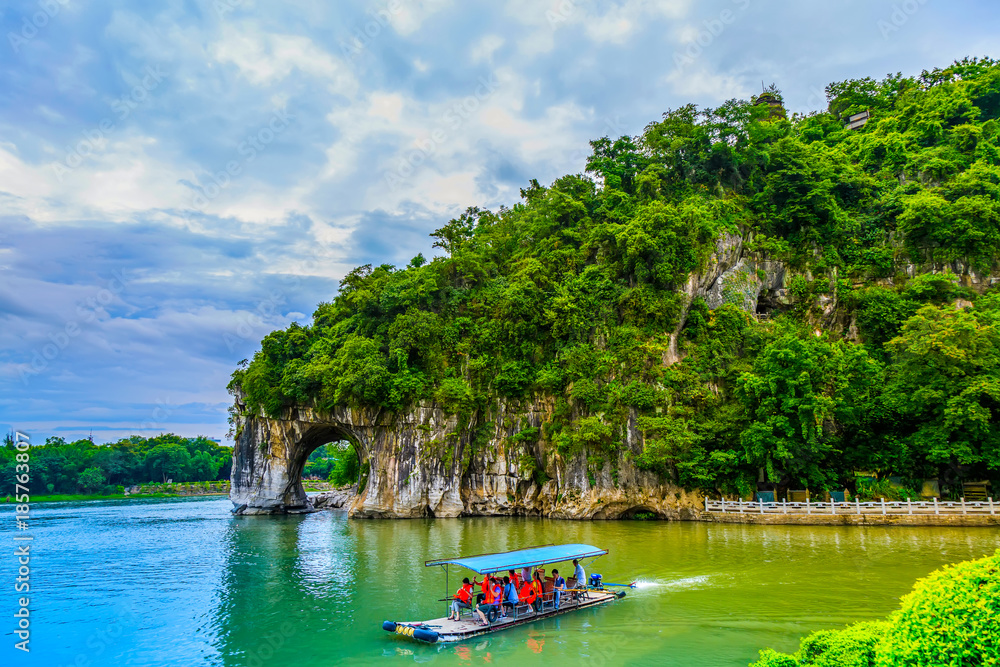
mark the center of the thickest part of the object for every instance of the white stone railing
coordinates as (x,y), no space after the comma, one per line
(854,507)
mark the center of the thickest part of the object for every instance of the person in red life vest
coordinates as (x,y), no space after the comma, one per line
(494,593)
(536,585)
(527,593)
(515,579)
(462,600)
(483,586)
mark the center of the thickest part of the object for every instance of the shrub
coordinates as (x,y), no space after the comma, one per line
(771,658)
(950,618)
(853,646)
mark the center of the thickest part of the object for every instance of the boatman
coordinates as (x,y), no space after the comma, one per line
(463,600)
(580,575)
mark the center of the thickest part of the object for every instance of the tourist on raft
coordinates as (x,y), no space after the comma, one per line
(527,594)
(462,600)
(495,593)
(539,589)
(484,586)
(558,585)
(510,598)
(580,576)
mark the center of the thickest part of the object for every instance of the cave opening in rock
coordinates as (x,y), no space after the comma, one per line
(331,454)
(640,513)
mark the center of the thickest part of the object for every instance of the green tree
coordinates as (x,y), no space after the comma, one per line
(944,383)
(92,480)
(168,460)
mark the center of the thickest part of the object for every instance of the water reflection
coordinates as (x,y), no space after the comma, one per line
(314,590)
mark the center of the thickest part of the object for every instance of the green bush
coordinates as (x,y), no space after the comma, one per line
(771,658)
(951,617)
(853,646)
(345,467)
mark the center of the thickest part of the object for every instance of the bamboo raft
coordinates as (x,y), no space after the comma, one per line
(572,599)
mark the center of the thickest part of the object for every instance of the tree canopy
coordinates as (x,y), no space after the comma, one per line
(577,292)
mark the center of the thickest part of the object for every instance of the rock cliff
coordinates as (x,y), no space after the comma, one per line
(426,462)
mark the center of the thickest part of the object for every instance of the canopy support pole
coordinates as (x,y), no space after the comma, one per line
(446,586)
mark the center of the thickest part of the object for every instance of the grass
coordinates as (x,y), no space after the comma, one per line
(67,497)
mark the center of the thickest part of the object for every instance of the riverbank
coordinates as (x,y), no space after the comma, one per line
(152,490)
(70,498)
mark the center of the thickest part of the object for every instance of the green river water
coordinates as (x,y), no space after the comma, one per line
(181,582)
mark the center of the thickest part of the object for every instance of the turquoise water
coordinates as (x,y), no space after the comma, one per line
(182,582)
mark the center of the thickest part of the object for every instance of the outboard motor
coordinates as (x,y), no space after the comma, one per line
(595,582)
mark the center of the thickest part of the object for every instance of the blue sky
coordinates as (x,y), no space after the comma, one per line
(179,178)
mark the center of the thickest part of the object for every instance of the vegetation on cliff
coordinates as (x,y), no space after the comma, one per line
(880,351)
(950,618)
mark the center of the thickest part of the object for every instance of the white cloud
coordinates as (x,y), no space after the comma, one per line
(704,83)
(411,14)
(484,49)
(265,58)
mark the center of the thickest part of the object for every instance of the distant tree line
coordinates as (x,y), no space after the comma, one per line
(81,466)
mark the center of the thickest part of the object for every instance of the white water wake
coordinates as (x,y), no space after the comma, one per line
(687,582)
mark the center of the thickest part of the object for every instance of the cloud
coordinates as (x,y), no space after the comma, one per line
(266,58)
(446,105)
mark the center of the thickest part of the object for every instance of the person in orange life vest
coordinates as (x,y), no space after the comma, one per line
(463,600)
(495,597)
(536,585)
(514,579)
(484,586)
(527,593)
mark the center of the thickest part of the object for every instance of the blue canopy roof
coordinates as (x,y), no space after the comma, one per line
(509,560)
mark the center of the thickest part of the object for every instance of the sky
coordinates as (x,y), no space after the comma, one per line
(179,178)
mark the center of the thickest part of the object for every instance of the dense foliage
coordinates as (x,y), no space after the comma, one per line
(950,618)
(336,462)
(576,294)
(60,467)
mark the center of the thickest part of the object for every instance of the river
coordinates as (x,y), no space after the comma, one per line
(182,582)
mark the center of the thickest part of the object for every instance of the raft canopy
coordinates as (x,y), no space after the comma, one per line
(531,557)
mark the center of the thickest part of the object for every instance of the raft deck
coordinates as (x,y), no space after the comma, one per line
(467,627)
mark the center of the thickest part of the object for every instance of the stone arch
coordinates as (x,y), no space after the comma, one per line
(631,512)
(269,456)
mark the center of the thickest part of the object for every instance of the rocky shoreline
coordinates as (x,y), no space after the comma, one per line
(342,499)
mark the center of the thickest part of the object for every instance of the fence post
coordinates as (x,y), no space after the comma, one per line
(909,506)
(991,504)
(808,507)
(935,505)
(963,504)
(883,506)
(723,504)
(857,505)
(740,501)
(833,505)
(761,501)
(706,503)
(784,505)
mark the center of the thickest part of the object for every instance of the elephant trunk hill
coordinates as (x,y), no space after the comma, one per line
(732,300)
